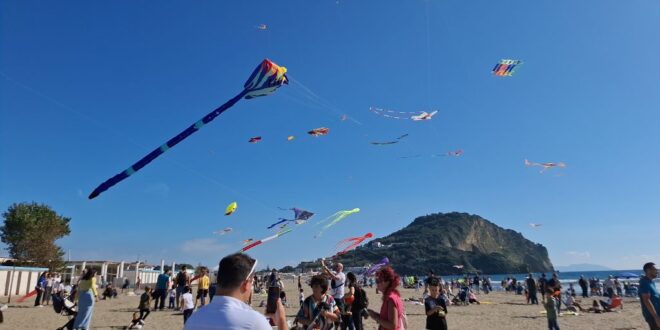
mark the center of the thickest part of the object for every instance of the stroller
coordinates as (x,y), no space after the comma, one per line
(64,306)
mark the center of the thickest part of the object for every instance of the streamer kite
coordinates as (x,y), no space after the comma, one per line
(264,240)
(231,208)
(224,231)
(319,131)
(264,80)
(353,242)
(546,166)
(374,268)
(403,115)
(333,219)
(255,139)
(506,68)
(390,142)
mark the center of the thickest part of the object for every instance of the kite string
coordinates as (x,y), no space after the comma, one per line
(123,135)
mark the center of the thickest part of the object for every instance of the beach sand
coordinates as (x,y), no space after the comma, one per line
(499,311)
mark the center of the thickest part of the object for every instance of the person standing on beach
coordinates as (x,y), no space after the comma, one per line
(338,285)
(41,289)
(203,287)
(160,294)
(531,289)
(182,279)
(230,308)
(435,307)
(649,296)
(86,296)
(583,286)
(555,285)
(392,311)
(145,303)
(551,309)
(542,286)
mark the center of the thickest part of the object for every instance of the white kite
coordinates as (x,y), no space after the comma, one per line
(224,231)
(424,116)
(546,166)
(535,225)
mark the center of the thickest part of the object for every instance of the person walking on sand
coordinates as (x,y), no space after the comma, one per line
(649,296)
(145,303)
(203,286)
(86,296)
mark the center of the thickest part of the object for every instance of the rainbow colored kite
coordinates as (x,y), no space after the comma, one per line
(506,68)
(264,240)
(264,80)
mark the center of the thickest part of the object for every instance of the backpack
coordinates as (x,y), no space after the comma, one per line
(181,279)
(361,299)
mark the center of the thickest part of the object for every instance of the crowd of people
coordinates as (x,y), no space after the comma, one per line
(337,300)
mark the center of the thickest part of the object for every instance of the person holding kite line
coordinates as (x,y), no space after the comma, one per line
(338,285)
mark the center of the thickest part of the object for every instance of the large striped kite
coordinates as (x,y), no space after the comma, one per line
(265,79)
(264,240)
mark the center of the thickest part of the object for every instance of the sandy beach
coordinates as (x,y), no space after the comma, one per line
(498,311)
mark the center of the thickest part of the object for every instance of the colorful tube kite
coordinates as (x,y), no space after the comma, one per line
(264,240)
(319,131)
(264,80)
(335,218)
(373,269)
(254,139)
(353,242)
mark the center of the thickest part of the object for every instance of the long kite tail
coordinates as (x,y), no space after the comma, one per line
(163,148)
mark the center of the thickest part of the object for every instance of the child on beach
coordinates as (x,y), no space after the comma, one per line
(436,307)
(187,303)
(551,309)
(145,302)
(136,323)
(172,295)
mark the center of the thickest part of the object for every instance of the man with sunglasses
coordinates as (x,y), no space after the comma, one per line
(230,309)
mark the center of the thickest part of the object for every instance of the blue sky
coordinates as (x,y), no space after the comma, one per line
(89,87)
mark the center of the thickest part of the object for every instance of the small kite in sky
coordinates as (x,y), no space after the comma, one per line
(319,131)
(248,241)
(343,117)
(352,242)
(333,219)
(374,268)
(389,142)
(506,68)
(264,80)
(224,231)
(535,225)
(231,208)
(291,137)
(262,27)
(264,240)
(255,139)
(546,166)
(455,153)
(458,266)
(300,217)
(424,116)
